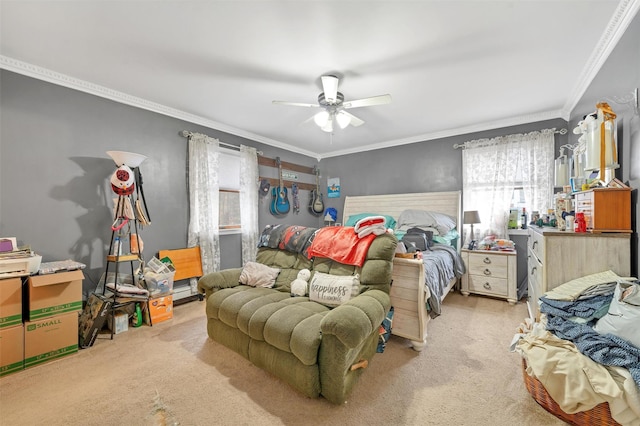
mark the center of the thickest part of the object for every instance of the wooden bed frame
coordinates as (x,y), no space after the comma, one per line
(408,292)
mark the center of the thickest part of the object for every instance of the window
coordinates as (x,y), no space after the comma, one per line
(229,208)
(507,172)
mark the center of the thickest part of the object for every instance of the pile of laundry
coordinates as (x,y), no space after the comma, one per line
(586,348)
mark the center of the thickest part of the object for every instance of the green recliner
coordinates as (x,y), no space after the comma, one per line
(307,344)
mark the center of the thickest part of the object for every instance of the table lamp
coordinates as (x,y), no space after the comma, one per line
(471,217)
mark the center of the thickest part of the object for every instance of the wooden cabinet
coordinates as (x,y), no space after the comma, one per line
(492,273)
(605,209)
(555,257)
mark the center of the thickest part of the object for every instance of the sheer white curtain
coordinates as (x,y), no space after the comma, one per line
(204,199)
(249,202)
(493,168)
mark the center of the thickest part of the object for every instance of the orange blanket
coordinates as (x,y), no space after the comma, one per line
(340,243)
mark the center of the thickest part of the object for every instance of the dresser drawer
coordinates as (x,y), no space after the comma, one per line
(488,285)
(488,265)
(536,244)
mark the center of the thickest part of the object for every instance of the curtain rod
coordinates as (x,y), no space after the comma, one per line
(562,131)
(186,134)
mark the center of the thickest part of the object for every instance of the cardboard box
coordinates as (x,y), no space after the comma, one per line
(54,294)
(50,338)
(159,309)
(92,319)
(11,349)
(10,302)
(119,322)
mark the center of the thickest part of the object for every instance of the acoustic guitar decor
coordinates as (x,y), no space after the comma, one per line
(279,202)
(316,205)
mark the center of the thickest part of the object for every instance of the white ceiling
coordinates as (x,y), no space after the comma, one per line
(451,67)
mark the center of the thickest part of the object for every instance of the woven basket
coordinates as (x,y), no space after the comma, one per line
(600,415)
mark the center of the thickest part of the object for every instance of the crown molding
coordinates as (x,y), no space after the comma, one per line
(44,74)
(624,14)
(622,17)
(513,121)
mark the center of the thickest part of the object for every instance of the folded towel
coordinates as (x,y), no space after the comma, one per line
(370,225)
(377,230)
(369,221)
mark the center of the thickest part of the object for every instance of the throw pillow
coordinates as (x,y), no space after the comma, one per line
(333,290)
(258,275)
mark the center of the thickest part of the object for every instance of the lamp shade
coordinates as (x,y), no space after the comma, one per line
(123,158)
(471,217)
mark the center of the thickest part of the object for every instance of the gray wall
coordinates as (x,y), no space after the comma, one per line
(618,77)
(54,170)
(54,173)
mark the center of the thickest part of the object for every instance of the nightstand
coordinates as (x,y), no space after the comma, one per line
(491,273)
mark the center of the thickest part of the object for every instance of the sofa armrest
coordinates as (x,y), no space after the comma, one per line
(355,320)
(215,281)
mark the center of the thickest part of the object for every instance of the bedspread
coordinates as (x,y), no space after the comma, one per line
(441,264)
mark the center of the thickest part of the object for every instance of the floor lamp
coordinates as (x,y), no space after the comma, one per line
(471,217)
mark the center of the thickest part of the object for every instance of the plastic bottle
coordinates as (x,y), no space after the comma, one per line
(524,218)
(117,247)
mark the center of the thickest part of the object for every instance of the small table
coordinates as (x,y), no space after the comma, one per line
(491,273)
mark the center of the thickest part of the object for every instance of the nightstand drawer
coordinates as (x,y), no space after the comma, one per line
(488,265)
(488,285)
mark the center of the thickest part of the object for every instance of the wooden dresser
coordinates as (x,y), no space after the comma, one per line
(605,209)
(491,273)
(555,257)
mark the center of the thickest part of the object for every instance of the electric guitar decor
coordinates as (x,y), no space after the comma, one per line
(279,201)
(316,205)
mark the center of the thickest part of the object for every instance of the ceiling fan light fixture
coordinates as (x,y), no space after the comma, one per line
(330,87)
(328,127)
(321,118)
(343,120)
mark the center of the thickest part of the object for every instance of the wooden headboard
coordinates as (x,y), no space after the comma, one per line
(393,204)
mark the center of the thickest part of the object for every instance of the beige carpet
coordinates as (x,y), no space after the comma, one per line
(173,374)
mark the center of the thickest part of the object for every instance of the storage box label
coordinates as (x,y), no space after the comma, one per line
(11,320)
(11,368)
(55,310)
(48,356)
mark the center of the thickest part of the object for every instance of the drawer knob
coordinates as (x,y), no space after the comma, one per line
(487,260)
(487,286)
(533,246)
(533,270)
(487,272)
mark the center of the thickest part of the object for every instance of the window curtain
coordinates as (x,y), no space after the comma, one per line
(204,200)
(249,202)
(493,168)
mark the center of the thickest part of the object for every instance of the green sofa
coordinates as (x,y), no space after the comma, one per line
(312,347)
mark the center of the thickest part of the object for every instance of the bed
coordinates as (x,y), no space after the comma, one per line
(410,290)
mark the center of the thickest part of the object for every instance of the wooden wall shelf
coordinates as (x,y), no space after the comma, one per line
(272,162)
(287,183)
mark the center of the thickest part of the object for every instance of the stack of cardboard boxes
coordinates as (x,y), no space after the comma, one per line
(38,319)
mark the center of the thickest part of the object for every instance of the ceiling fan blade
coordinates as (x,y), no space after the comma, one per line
(330,88)
(295,104)
(374,100)
(355,121)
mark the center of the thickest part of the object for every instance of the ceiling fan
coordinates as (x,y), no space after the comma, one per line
(333,106)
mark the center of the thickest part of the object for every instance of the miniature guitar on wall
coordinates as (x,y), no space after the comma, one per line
(316,205)
(279,202)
